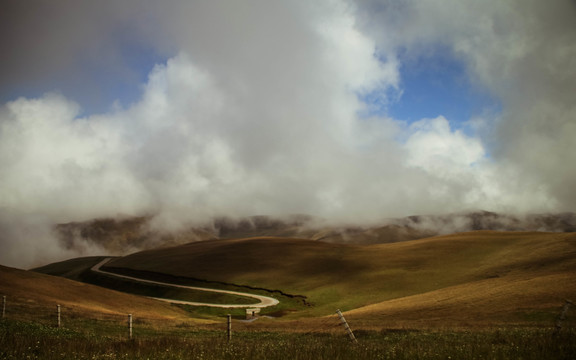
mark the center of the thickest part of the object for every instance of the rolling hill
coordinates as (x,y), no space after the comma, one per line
(475,277)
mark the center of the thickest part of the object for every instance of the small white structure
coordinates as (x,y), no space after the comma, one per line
(252,313)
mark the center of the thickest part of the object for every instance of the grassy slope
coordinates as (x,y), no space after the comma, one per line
(70,269)
(519,277)
(31,288)
(494,271)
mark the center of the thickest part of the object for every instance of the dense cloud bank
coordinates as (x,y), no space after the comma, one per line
(257,110)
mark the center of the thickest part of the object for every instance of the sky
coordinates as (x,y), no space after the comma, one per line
(353,111)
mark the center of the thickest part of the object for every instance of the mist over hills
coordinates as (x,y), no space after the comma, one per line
(125,235)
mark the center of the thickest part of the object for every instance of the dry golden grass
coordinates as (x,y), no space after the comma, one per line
(481,277)
(525,279)
(33,289)
(513,300)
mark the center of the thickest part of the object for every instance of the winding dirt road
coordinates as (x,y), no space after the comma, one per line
(265,301)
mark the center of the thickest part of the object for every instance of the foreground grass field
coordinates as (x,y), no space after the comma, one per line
(20,340)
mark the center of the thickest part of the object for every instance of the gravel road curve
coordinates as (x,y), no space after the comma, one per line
(264,301)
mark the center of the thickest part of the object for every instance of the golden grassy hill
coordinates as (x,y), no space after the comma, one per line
(29,291)
(511,300)
(526,279)
(465,277)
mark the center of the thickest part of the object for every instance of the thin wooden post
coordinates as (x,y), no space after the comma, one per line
(229,327)
(562,316)
(346,326)
(130,325)
(3,306)
(58,312)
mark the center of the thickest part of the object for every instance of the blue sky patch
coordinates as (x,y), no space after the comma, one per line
(432,84)
(96,84)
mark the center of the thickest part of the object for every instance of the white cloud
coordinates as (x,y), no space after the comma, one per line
(258,114)
(434,147)
(523,53)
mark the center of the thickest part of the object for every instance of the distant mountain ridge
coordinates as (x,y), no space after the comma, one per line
(125,235)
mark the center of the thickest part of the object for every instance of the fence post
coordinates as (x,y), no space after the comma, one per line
(3,306)
(229,327)
(562,316)
(130,325)
(346,326)
(58,312)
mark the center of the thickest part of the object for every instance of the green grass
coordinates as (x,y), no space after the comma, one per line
(20,340)
(286,307)
(80,269)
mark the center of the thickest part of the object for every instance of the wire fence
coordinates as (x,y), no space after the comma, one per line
(123,325)
(105,323)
